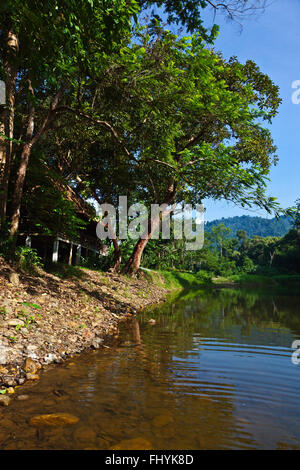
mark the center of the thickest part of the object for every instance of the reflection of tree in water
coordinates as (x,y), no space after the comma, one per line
(237,315)
(137,394)
(181,415)
(247,308)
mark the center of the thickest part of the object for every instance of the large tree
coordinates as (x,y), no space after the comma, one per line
(201,131)
(47,50)
(178,124)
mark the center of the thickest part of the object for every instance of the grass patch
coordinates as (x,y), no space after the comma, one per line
(177,279)
(65,271)
(270,280)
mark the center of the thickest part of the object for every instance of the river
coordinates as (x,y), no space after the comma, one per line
(207,370)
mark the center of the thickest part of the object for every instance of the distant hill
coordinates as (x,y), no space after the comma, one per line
(254,225)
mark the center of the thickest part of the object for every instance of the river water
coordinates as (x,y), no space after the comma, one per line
(208,370)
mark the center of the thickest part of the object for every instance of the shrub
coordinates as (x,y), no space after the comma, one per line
(28,259)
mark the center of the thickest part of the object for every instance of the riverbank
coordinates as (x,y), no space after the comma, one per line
(49,317)
(270,280)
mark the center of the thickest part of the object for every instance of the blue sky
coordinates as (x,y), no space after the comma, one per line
(272,40)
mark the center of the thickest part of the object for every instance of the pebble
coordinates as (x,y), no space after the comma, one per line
(15,322)
(31,376)
(4,400)
(31,366)
(14,279)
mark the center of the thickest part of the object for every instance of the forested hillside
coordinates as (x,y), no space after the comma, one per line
(253,226)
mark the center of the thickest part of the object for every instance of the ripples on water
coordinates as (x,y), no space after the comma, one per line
(213,372)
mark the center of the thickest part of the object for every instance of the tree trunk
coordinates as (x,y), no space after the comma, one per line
(134,262)
(24,159)
(7,126)
(271,258)
(16,204)
(2,160)
(117,255)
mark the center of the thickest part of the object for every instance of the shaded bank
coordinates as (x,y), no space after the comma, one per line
(49,317)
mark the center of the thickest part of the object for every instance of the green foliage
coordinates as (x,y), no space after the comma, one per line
(3,311)
(297,215)
(93,261)
(48,205)
(27,318)
(204,277)
(60,38)
(13,339)
(180,279)
(28,259)
(267,279)
(35,306)
(222,256)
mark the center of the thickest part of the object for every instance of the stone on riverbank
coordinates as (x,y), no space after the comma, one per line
(14,279)
(31,366)
(4,400)
(30,376)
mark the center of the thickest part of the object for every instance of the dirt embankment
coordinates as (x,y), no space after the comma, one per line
(45,319)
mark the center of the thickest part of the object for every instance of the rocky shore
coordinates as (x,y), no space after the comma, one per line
(46,319)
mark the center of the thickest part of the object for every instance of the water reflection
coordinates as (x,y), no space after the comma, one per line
(213,371)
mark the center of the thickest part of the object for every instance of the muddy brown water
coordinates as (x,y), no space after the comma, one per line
(213,371)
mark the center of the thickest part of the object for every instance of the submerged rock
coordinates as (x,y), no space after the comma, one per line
(162,420)
(56,419)
(138,443)
(85,435)
(23,397)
